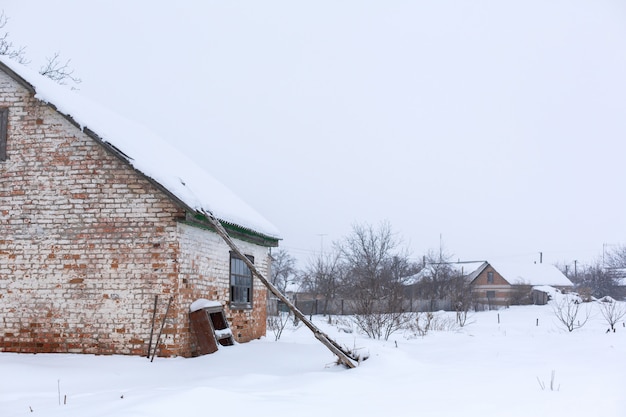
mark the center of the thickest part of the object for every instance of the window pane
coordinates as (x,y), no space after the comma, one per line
(240,281)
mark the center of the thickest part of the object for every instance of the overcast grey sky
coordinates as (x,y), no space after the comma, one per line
(498,125)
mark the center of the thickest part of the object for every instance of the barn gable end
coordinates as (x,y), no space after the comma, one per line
(87,242)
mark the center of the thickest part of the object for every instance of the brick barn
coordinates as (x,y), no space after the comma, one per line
(98,216)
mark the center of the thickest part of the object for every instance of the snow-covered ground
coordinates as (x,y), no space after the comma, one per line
(495,366)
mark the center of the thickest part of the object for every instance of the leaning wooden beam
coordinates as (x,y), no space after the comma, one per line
(344,357)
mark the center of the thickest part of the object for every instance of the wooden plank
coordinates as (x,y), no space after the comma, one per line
(202,328)
(167,310)
(344,357)
(156,300)
(4,126)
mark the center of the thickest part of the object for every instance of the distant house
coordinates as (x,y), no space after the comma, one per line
(432,269)
(439,285)
(511,283)
(493,284)
(98,217)
(619,278)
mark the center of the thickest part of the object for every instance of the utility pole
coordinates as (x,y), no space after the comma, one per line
(321,235)
(440,248)
(540,257)
(575,270)
(604,246)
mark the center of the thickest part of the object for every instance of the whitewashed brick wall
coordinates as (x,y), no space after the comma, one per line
(87,243)
(205,263)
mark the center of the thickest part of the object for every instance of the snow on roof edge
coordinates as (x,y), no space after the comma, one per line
(531,274)
(182,177)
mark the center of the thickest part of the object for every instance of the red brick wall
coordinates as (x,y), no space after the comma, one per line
(500,286)
(497,278)
(87,243)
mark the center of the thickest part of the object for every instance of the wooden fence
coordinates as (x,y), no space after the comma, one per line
(341,307)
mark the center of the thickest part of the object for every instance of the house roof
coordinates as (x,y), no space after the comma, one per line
(619,275)
(469,269)
(514,273)
(146,152)
(473,269)
(531,274)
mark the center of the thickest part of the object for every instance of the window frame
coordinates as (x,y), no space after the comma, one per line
(239,301)
(491,294)
(4,128)
(490,277)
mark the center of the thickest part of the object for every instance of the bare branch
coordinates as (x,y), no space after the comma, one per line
(6,46)
(58,71)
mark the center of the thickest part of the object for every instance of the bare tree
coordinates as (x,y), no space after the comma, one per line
(54,68)
(462,298)
(17,53)
(376,269)
(440,279)
(567,311)
(615,267)
(324,277)
(597,281)
(277,323)
(612,311)
(616,258)
(282,274)
(283,271)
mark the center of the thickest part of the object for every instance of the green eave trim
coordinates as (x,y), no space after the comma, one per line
(235,231)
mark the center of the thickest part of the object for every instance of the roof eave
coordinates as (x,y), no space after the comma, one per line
(234,230)
(238,231)
(18,78)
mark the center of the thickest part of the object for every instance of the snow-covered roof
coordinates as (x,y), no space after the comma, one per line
(470,269)
(147,153)
(532,274)
(466,269)
(618,275)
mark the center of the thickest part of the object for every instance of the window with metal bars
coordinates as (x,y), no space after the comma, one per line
(240,283)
